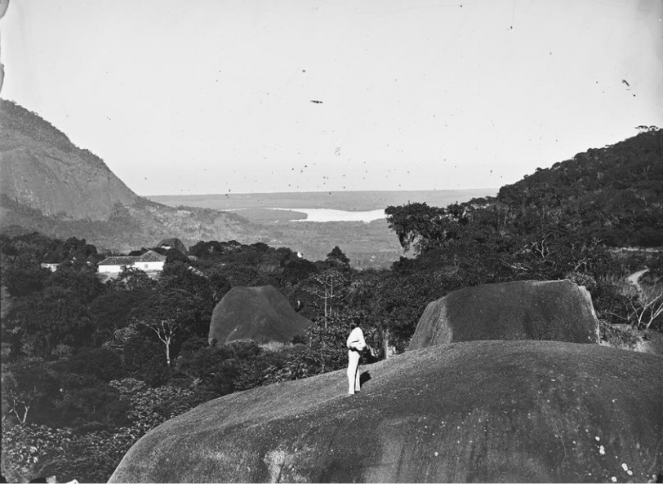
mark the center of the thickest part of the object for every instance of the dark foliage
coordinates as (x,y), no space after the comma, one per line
(612,193)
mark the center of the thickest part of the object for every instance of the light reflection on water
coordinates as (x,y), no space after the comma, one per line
(330,215)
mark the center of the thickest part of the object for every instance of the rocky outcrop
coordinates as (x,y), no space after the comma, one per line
(56,183)
(43,170)
(173,243)
(485,411)
(262,314)
(536,310)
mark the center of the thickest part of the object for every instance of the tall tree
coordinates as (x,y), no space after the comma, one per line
(167,314)
(337,256)
(24,384)
(329,287)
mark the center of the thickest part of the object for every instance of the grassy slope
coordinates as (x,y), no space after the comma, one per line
(480,411)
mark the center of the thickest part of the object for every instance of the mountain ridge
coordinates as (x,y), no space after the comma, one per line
(50,185)
(43,170)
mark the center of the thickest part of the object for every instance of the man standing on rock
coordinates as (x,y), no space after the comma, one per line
(356,345)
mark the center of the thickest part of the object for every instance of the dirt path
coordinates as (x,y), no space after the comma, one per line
(635,277)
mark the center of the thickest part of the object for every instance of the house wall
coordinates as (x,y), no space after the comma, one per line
(111,269)
(149,266)
(143,266)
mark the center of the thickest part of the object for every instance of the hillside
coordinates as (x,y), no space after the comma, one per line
(614,193)
(43,170)
(50,185)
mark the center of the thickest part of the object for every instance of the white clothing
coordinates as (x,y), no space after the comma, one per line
(356,341)
(353,372)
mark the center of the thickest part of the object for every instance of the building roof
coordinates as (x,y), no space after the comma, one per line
(127,260)
(124,260)
(151,256)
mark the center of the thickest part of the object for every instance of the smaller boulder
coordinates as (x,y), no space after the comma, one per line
(519,310)
(261,314)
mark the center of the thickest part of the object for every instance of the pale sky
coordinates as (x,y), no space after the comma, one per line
(215,96)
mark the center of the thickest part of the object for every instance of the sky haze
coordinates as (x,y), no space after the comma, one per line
(211,96)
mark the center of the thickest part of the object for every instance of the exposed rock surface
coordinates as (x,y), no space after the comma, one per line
(174,243)
(259,313)
(43,170)
(537,310)
(491,411)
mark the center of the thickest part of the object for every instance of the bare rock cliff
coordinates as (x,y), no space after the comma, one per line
(41,169)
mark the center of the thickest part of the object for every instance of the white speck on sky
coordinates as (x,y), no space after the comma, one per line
(233,96)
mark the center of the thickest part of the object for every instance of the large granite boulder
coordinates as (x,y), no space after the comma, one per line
(262,314)
(537,310)
(496,411)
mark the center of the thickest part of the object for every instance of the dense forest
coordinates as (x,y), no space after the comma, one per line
(85,370)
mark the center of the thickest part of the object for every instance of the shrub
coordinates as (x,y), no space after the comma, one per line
(30,450)
(619,335)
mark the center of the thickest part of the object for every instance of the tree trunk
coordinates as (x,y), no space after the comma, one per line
(168,351)
(385,343)
(25,414)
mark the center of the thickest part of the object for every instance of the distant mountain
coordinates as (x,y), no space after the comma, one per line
(614,193)
(50,185)
(43,170)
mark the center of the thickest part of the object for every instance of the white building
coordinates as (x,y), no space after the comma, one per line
(150,261)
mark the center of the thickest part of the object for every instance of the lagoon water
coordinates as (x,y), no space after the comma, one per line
(330,215)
